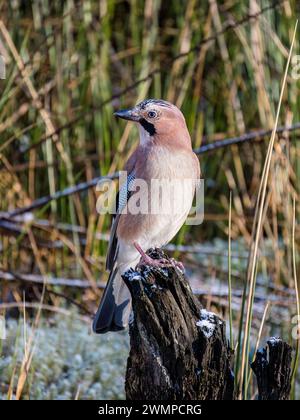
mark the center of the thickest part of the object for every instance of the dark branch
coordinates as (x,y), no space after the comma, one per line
(54,281)
(40,202)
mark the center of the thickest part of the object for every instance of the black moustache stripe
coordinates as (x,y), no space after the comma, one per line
(148,126)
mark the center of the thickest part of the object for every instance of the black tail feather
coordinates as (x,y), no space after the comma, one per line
(115,306)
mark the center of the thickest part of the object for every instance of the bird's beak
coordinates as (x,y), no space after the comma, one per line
(128,114)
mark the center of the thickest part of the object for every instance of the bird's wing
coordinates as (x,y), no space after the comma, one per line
(121,200)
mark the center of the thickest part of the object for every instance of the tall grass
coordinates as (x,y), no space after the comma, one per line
(257,227)
(229,275)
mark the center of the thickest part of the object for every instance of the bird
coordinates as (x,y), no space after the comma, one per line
(164,152)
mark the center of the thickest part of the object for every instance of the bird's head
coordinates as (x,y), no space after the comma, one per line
(157,119)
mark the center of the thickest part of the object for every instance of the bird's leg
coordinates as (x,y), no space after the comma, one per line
(145,259)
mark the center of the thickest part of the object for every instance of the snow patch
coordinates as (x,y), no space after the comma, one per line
(273,341)
(135,277)
(207,322)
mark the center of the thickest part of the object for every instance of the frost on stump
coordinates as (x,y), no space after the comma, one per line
(179,351)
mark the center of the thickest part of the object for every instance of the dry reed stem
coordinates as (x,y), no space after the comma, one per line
(260,210)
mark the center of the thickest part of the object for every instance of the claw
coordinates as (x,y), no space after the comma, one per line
(162,262)
(178,265)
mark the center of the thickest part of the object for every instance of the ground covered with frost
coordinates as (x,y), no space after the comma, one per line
(68,361)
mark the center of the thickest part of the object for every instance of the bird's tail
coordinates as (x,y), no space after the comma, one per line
(115,306)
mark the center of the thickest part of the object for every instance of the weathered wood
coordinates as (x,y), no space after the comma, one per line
(272,367)
(179,351)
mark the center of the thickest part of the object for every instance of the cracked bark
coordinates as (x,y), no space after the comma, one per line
(272,367)
(172,357)
(179,351)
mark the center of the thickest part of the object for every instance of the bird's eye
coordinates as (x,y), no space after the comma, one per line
(152,114)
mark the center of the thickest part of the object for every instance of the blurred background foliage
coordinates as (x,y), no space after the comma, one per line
(69,66)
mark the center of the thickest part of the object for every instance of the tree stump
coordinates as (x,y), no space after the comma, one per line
(179,351)
(273,370)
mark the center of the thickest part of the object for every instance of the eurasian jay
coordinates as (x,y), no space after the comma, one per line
(164,153)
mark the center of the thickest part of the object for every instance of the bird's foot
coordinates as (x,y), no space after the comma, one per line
(145,259)
(161,262)
(178,265)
